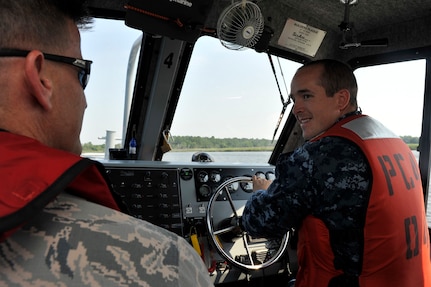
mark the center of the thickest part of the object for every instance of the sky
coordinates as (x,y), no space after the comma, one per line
(108,45)
(393,94)
(240,98)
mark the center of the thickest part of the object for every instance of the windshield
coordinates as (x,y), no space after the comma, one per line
(230,104)
(393,94)
(231,101)
(108,44)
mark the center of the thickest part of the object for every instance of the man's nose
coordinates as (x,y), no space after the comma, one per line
(297,107)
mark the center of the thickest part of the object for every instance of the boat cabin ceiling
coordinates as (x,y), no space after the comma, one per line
(356,31)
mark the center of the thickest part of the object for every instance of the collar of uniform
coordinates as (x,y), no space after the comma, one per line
(354,113)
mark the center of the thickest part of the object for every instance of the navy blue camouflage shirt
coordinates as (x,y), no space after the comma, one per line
(329,179)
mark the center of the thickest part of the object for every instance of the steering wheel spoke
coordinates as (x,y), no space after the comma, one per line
(224,230)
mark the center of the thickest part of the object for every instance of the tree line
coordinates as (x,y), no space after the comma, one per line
(209,143)
(184,143)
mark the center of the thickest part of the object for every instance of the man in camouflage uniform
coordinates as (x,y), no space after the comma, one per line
(59,222)
(78,243)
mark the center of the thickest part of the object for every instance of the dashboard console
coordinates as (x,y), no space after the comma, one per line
(169,194)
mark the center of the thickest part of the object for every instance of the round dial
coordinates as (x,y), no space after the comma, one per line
(205,191)
(186,173)
(203,176)
(247,186)
(232,187)
(270,175)
(260,174)
(215,176)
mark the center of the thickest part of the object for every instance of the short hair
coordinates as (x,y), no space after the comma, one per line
(335,76)
(39,24)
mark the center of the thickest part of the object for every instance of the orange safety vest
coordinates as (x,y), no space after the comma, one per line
(34,174)
(396,249)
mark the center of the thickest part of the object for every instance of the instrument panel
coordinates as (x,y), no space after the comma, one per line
(208,179)
(175,195)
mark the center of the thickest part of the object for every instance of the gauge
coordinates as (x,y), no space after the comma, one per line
(260,174)
(233,187)
(247,186)
(270,175)
(215,176)
(205,191)
(203,176)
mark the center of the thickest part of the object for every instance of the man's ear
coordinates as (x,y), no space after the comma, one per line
(39,86)
(343,97)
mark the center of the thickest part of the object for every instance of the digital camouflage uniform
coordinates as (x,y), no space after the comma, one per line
(328,179)
(78,243)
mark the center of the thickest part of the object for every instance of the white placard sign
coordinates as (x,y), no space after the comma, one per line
(301,37)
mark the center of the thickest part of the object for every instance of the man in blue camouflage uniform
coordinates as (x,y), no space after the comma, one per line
(328,178)
(323,188)
(72,241)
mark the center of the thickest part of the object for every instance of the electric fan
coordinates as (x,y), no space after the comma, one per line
(240,25)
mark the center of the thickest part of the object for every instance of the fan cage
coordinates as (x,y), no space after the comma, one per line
(240,25)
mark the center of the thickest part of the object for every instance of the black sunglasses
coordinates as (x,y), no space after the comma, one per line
(83,65)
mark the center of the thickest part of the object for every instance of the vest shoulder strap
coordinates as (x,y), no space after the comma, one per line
(14,220)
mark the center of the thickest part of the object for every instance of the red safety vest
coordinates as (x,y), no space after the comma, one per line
(396,241)
(33,174)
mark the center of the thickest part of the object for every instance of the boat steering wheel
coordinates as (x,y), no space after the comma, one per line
(233,243)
